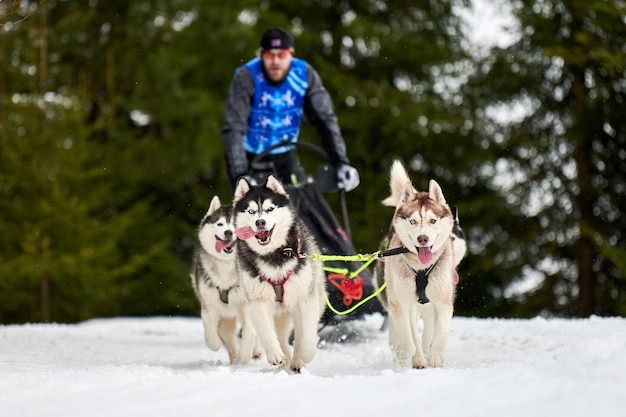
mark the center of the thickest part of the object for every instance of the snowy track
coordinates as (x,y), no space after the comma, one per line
(160,367)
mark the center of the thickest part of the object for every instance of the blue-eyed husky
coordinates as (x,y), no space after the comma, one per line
(215,281)
(284,290)
(420,282)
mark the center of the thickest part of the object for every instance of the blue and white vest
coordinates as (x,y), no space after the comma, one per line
(276,110)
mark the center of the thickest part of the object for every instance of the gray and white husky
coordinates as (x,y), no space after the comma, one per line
(215,281)
(420,282)
(284,289)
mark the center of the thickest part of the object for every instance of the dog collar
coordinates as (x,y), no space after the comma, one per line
(293,252)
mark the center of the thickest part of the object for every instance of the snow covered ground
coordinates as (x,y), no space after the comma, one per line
(160,367)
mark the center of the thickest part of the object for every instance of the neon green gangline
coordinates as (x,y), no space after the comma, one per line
(367,259)
(357,305)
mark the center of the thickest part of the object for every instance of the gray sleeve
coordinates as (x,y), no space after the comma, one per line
(235,123)
(319,111)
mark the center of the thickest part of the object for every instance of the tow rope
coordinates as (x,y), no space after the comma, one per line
(350,283)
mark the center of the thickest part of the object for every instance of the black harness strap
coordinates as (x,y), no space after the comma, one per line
(224,295)
(421,275)
(391,252)
(421,281)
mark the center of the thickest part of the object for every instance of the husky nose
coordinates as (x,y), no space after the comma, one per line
(228,234)
(422,240)
(260,223)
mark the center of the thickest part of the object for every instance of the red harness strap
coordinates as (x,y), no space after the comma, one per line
(279,287)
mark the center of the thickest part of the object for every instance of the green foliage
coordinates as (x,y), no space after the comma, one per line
(568,71)
(110,151)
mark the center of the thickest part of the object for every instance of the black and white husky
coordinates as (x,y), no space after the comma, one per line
(421,281)
(215,281)
(284,289)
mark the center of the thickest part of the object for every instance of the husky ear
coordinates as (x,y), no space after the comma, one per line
(274,185)
(435,193)
(241,189)
(407,192)
(214,206)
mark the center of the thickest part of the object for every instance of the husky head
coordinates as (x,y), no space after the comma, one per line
(263,214)
(216,232)
(423,221)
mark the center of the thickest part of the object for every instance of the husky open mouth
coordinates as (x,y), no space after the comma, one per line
(264,237)
(228,246)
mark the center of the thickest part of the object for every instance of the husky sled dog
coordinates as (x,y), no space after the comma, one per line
(283,288)
(420,282)
(215,281)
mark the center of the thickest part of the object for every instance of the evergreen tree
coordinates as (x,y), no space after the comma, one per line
(565,155)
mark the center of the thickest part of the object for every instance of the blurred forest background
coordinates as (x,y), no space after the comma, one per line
(110,112)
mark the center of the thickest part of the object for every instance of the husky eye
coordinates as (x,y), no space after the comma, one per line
(412,221)
(433,221)
(220,224)
(250,211)
(270,209)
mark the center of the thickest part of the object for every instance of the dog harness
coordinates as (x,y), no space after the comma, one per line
(421,281)
(224,295)
(279,287)
(421,275)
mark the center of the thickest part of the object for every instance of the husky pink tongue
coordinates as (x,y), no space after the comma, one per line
(424,255)
(220,245)
(245,233)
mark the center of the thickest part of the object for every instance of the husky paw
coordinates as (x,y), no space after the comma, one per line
(277,360)
(296,365)
(419,363)
(436,360)
(213,343)
(242,359)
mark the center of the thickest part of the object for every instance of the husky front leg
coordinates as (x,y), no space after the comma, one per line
(428,316)
(306,317)
(442,319)
(227,329)
(248,348)
(283,330)
(262,313)
(419,357)
(210,320)
(400,338)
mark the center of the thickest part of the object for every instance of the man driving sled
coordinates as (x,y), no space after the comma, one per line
(268,97)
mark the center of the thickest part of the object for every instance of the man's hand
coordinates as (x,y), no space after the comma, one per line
(347,177)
